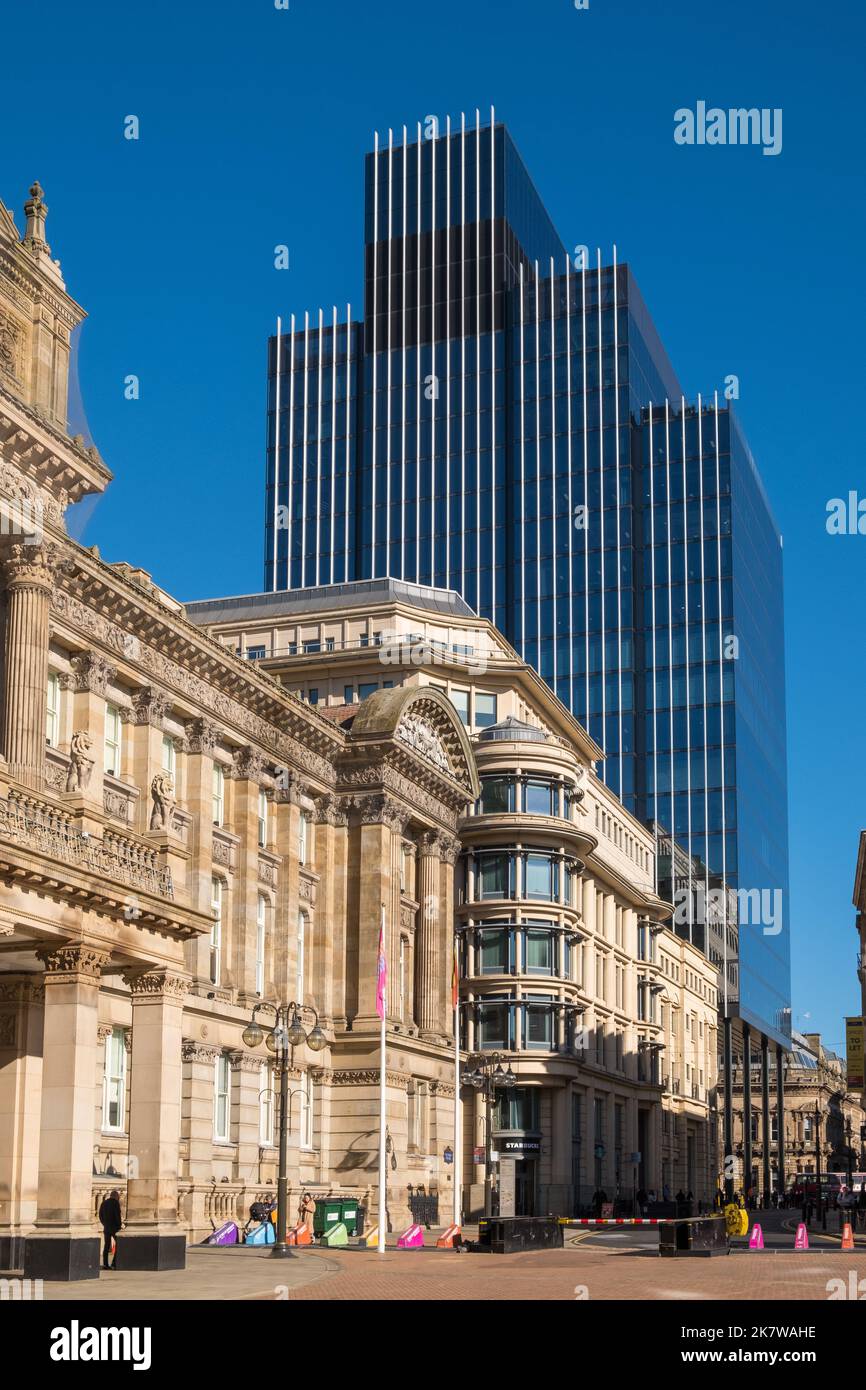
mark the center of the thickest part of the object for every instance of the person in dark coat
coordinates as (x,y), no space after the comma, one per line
(111,1222)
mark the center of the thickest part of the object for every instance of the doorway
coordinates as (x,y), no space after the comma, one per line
(525,1187)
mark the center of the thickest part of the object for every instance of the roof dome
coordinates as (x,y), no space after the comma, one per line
(512,730)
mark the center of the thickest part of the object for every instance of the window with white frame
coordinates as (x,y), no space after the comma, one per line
(306,1118)
(216,902)
(114,1082)
(169,756)
(52,710)
(113,734)
(222,1082)
(219,792)
(303,838)
(261,929)
(300,957)
(263,820)
(266,1106)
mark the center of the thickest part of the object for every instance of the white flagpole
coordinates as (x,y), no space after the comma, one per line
(458,1137)
(382,1127)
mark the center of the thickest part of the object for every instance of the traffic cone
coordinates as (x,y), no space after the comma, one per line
(802,1238)
(756,1239)
(847,1237)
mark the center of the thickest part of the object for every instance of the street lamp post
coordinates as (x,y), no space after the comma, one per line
(486,1076)
(287,1033)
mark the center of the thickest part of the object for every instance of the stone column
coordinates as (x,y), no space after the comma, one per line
(29,572)
(153,1238)
(449,853)
(201,741)
(381,819)
(21,998)
(428,962)
(65,1244)
(248,772)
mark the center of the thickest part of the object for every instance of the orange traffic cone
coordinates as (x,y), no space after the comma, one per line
(449,1238)
(847,1237)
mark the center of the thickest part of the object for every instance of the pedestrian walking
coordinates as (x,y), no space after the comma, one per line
(306,1212)
(111,1220)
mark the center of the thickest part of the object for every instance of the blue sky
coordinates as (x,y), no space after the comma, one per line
(254,123)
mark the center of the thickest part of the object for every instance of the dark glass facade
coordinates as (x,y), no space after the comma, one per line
(505,423)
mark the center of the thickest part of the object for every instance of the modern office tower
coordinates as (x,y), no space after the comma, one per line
(505,422)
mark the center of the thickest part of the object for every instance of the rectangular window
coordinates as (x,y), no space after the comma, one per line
(52,711)
(497,796)
(169,756)
(255,653)
(218,798)
(539,953)
(495,1020)
(266,1106)
(261,926)
(404,948)
(366,688)
(460,701)
(348,694)
(221,1098)
(216,903)
(493,876)
(538,1025)
(263,820)
(540,877)
(303,839)
(494,951)
(113,728)
(539,799)
(485,710)
(313,696)
(114,1081)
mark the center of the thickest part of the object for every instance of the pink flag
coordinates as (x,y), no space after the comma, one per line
(381,970)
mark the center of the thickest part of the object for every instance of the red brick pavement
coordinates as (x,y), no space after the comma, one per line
(579,1273)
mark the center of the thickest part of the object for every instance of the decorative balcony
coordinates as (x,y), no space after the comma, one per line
(37,826)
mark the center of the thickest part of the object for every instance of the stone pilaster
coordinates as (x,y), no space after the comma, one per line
(249,767)
(64,1245)
(246,1088)
(198,1106)
(428,945)
(202,738)
(29,572)
(153,1239)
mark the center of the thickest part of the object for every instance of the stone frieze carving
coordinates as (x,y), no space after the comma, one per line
(423,739)
(74,960)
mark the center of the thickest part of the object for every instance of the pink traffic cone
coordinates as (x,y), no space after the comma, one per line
(756,1239)
(802,1240)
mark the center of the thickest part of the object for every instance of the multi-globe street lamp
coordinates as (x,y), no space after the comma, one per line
(486,1075)
(287,1033)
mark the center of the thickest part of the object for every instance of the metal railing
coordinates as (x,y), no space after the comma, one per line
(40,827)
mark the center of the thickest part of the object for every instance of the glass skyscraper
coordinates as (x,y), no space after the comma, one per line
(504,422)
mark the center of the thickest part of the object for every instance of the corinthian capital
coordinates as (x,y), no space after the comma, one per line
(31,566)
(149,984)
(249,764)
(75,961)
(202,736)
(150,706)
(92,672)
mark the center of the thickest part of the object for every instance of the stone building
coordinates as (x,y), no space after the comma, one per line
(821,1118)
(183,839)
(607,1019)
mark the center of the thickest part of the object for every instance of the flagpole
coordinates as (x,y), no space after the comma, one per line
(383,1218)
(458,1137)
